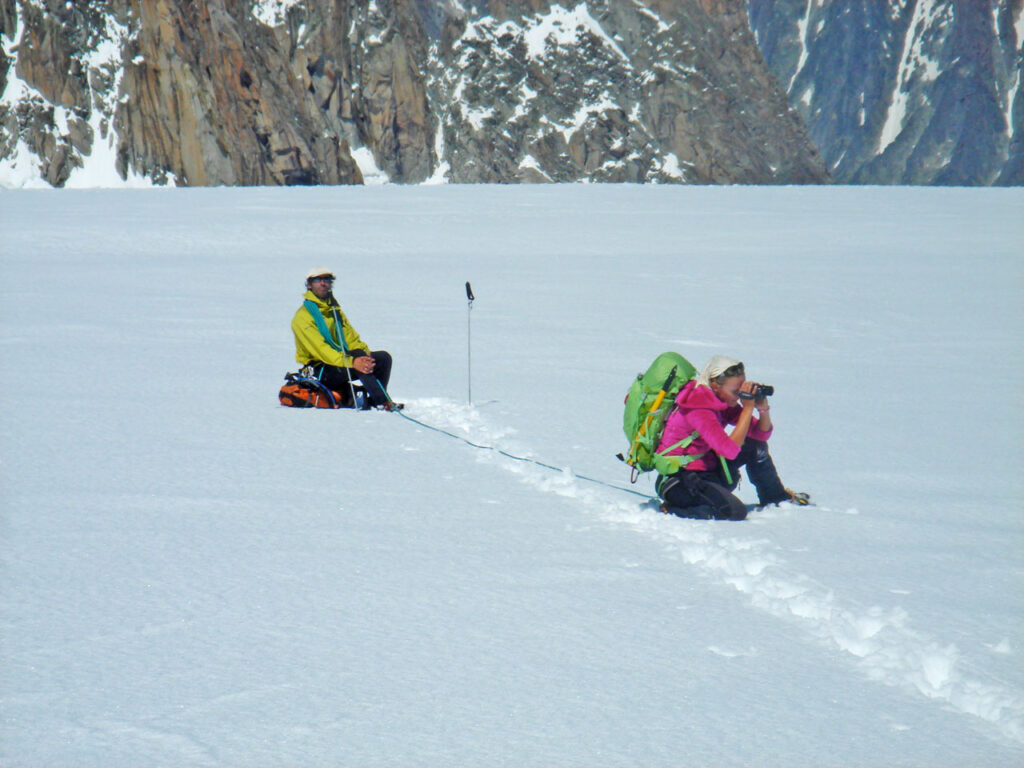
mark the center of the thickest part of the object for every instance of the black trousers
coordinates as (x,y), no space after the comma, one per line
(707,495)
(374,384)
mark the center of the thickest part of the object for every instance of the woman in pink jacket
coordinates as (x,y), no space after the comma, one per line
(720,396)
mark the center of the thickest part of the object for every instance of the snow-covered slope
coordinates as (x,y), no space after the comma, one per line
(193,575)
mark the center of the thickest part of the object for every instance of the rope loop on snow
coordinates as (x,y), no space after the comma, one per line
(512,456)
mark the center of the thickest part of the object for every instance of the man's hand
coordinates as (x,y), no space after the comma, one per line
(364,364)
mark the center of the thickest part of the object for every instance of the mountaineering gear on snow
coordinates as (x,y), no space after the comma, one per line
(469,343)
(648,403)
(525,459)
(304,391)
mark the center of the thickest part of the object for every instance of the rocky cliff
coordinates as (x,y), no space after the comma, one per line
(326,91)
(613,91)
(904,91)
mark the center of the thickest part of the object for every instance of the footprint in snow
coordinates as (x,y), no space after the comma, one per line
(730,654)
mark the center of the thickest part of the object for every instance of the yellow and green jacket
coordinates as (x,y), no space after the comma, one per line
(310,345)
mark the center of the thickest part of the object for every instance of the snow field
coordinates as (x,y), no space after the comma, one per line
(887,648)
(193,575)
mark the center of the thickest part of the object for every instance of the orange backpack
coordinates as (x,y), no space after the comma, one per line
(304,392)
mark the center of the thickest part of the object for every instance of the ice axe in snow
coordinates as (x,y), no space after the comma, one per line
(469,345)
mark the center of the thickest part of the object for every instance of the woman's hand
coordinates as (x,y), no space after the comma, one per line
(748,387)
(364,364)
(764,419)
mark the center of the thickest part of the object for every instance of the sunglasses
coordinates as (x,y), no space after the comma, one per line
(322,279)
(733,370)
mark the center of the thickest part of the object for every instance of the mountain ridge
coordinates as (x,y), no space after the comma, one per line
(298,92)
(230,92)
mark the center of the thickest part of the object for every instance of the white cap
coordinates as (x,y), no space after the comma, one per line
(318,272)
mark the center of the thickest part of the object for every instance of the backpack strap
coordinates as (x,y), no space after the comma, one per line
(725,470)
(669,465)
(682,444)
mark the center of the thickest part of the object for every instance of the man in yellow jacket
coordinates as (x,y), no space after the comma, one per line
(326,340)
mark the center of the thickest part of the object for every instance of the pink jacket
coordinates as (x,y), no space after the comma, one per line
(698,408)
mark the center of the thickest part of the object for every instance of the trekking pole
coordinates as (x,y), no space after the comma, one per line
(344,350)
(351,385)
(469,343)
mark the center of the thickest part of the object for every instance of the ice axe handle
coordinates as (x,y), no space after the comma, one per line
(469,291)
(668,381)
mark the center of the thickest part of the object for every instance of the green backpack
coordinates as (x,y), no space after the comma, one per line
(648,404)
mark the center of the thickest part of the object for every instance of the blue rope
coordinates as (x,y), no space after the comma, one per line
(526,459)
(321,325)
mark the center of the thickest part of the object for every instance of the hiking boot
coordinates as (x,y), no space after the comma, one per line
(788,496)
(699,512)
(391,406)
(800,499)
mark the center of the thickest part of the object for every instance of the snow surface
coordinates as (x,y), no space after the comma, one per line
(563,27)
(272,12)
(802,26)
(372,175)
(193,575)
(1018,26)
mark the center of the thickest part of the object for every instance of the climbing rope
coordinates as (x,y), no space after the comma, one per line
(512,456)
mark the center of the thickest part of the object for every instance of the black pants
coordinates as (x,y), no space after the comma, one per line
(707,495)
(374,384)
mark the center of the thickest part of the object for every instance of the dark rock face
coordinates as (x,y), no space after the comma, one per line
(904,91)
(285,92)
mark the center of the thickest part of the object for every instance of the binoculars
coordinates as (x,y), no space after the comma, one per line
(761,391)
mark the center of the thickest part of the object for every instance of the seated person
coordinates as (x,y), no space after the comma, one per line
(702,487)
(326,341)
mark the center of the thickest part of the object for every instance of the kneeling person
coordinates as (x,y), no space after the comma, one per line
(326,340)
(702,488)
